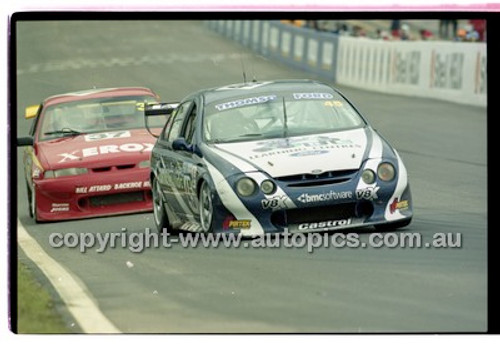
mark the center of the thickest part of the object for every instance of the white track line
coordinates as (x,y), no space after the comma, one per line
(72,291)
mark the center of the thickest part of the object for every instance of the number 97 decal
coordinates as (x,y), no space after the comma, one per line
(107,135)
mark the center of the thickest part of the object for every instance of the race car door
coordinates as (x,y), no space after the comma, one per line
(188,163)
(168,166)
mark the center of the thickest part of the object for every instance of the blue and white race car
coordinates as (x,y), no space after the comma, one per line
(260,157)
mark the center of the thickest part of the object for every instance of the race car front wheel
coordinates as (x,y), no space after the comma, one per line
(32,202)
(159,213)
(206,208)
(30,209)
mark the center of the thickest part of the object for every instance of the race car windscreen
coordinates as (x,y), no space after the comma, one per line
(96,115)
(278,115)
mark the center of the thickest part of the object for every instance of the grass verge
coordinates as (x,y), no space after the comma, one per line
(35,309)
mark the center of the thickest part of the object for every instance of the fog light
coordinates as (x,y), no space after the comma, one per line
(268,187)
(246,186)
(386,172)
(63,172)
(368,176)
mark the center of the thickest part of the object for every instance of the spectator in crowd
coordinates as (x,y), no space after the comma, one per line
(425,34)
(295,22)
(454,27)
(313,25)
(444,28)
(405,32)
(480,27)
(471,33)
(357,31)
(467,33)
(475,30)
(341,29)
(396,28)
(461,33)
(382,35)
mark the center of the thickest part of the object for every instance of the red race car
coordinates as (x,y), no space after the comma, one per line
(88,154)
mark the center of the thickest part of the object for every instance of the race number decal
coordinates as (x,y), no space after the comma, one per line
(107,135)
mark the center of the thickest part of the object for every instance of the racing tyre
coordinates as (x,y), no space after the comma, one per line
(159,213)
(30,209)
(393,226)
(206,208)
(32,203)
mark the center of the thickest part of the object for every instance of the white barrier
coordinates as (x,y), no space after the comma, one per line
(449,71)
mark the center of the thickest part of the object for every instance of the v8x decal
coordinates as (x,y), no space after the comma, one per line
(275,203)
(369,193)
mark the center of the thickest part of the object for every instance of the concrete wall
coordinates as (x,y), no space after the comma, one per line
(443,70)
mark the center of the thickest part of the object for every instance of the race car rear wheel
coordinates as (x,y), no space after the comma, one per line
(206,208)
(159,213)
(393,226)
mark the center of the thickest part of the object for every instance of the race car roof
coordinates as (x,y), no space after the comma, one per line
(251,88)
(98,93)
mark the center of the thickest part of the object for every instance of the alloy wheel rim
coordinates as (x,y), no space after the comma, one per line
(206,209)
(157,203)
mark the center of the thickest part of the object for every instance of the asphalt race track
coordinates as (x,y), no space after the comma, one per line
(268,290)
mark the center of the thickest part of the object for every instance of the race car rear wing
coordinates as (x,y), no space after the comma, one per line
(160,109)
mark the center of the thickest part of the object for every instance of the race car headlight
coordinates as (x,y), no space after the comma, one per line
(268,187)
(72,171)
(386,172)
(145,163)
(36,173)
(368,176)
(246,186)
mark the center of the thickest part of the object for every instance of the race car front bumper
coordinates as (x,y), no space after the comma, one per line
(323,208)
(92,195)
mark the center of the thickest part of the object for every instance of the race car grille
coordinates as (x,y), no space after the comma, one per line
(310,180)
(109,168)
(101,169)
(119,198)
(125,167)
(313,214)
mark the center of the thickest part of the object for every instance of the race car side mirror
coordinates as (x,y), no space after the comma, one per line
(160,109)
(181,144)
(25,141)
(31,111)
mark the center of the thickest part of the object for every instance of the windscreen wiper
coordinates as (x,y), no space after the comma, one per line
(234,139)
(65,131)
